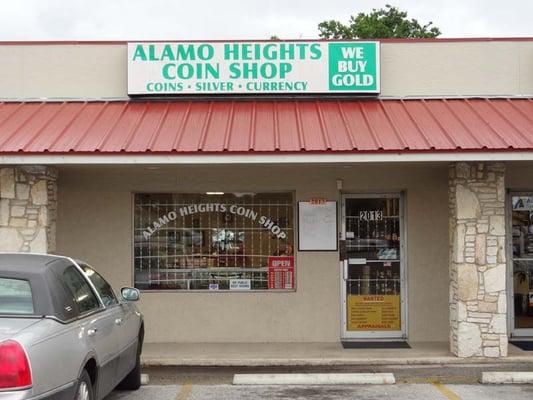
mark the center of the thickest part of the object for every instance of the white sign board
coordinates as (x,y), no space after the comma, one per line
(522,203)
(240,284)
(317,226)
(281,67)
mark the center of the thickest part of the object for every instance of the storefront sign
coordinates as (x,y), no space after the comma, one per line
(281,272)
(264,221)
(240,284)
(373,312)
(253,67)
(522,203)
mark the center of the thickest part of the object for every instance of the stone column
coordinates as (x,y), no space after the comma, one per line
(28,207)
(478,303)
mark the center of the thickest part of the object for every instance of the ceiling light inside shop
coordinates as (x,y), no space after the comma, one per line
(214,193)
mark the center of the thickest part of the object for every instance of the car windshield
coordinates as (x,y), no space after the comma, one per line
(15,296)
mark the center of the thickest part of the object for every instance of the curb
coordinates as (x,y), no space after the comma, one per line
(506,377)
(145,379)
(302,362)
(314,379)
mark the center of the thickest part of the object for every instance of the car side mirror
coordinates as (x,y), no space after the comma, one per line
(130,294)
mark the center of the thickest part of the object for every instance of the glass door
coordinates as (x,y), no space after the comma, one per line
(372,267)
(521,304)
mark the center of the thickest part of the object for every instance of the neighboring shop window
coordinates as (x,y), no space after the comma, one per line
(214,241)
(522,236)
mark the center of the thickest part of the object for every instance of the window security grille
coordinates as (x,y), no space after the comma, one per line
(206,242)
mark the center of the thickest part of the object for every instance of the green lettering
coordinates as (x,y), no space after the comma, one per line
(286,51)
(185,71)
(249,70)
(234,71)
(167,54)
(206,52)
(316,51)
(185,52)
(212,71)
(269,51)
(257,51)
(166,72)
(139,53)
(284,69)
(246,49)
(231,51)
(151,53)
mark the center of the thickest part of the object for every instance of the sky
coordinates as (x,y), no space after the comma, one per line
(243,19)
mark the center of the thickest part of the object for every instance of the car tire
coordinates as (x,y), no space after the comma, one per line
(132,381)
(84,390)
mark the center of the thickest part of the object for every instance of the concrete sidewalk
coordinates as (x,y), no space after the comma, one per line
(308,354)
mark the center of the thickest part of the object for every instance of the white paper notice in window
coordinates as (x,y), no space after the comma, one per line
(317,226)
(240,284)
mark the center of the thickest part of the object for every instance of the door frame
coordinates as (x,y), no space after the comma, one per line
(376,335)
(511,331)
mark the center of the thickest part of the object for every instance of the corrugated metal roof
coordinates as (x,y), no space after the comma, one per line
(266,126)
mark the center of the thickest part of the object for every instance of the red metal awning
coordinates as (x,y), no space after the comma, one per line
(266,126)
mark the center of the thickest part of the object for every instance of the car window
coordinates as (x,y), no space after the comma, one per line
(82,294)
(63,302)
(15,296)
(104,289)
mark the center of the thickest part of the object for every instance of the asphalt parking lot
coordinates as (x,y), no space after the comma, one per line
(422,382)
(422,391)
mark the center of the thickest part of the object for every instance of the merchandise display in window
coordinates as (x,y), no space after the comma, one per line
(221,241)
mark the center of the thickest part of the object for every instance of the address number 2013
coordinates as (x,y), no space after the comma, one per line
(376,215)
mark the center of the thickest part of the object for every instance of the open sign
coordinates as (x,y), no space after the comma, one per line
(281,272)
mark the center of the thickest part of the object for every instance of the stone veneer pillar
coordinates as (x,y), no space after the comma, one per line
(478,303)
(28,207)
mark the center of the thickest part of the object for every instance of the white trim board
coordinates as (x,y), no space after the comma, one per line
(150,159)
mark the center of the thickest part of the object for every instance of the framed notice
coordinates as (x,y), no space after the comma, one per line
(317,226)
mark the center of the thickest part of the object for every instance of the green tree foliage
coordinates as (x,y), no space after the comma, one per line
(388,22)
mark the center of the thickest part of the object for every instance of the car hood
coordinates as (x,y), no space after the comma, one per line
(9,327)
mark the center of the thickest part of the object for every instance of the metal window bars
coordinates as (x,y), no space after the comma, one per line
(202,242)
(374,226)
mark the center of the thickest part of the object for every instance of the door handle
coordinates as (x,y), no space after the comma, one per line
(118,321)
(345,270)
(92,332)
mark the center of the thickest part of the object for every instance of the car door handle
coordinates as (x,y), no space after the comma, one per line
(92,332)
(118,321)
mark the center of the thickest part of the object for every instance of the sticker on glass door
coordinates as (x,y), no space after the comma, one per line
(372,269)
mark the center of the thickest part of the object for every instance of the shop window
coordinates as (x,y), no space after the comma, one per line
(214,241)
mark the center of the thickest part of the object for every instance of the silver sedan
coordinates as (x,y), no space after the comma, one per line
(64,334)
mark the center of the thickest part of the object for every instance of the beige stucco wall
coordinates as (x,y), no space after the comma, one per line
(442,68)
(95,224)
(519,176)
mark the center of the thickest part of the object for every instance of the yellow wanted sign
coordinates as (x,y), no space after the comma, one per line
(373,312)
